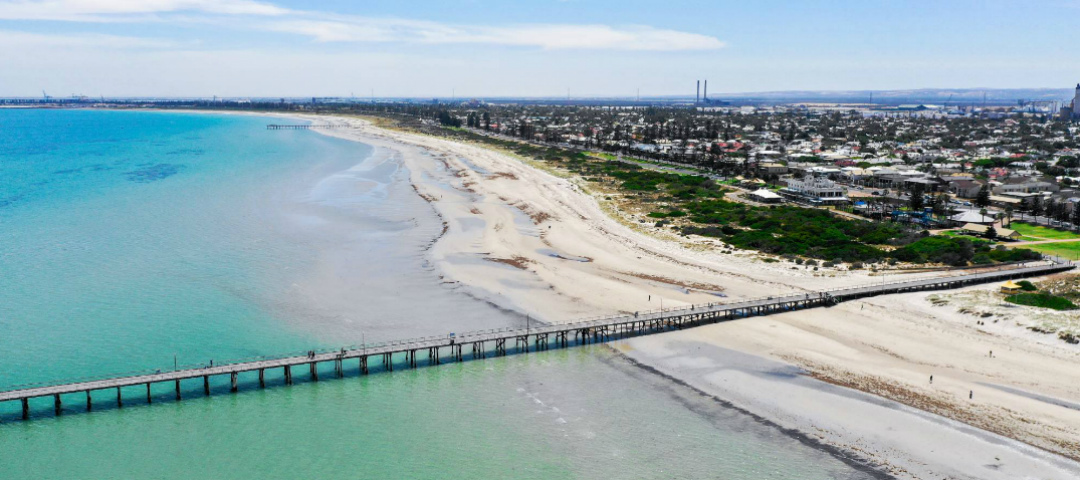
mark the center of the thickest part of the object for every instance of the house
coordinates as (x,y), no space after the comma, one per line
(1025,185)
(965,188)
(971,216)
(772,168)
(763,195)
(980,230)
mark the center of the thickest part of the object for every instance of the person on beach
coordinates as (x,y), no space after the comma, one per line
(971,394)
(931,379)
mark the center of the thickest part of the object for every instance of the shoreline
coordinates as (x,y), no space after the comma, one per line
(569,289)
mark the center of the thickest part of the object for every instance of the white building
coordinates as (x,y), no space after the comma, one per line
(814,191)
(1076,102)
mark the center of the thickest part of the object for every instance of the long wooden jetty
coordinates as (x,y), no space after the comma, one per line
(501,342)
(307,126)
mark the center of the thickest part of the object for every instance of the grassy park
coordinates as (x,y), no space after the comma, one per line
(1037,232)
(1068,250)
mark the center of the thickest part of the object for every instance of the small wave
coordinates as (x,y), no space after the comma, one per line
(153,172)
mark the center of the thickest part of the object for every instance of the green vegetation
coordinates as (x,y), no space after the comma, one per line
(1047,233)
(1041,300)
(1070,250)
(698,206)
(789,230)
(959,251)
(1027,286)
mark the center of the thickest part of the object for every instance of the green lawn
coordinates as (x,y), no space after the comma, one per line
(1047,233)
(1068,250)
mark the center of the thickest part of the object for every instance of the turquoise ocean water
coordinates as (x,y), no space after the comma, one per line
(130,239)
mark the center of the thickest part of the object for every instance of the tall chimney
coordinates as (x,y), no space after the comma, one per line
(697,96)
(706,90)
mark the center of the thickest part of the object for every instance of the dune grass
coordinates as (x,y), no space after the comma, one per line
(1041,300)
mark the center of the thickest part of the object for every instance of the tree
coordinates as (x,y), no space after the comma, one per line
(940,205)
(1009,214)
(1036,206)
(983,198)
(1062,212)
(1076,217)
(990,233)
(982,214)
(916,200)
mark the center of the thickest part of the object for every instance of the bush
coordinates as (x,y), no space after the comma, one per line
(857,266)
(1027,286)
(1041,300)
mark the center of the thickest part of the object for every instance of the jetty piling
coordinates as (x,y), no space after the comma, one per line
(540,337)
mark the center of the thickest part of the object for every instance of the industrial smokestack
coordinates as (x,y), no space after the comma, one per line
(697,95)
(706,90)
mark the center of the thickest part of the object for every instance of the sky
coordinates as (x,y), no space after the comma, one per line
(488,48)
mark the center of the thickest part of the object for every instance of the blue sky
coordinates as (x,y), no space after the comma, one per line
(534,48)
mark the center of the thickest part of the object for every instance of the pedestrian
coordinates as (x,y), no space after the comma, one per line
(931,379)
(991,354)
(971,394)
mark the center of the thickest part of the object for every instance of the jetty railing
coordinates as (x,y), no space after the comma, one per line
(308,126)
(541,337)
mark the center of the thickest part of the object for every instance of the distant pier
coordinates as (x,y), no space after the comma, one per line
(502,342)
(309,126)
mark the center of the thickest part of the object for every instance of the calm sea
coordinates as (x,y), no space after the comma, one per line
(139,240)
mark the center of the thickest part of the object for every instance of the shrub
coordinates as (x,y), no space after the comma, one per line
(857,266)
(1041,300)
(1027,286)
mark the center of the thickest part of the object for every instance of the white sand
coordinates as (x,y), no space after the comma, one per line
(496,251)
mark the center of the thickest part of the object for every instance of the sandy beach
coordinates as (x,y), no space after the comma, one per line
(855,376)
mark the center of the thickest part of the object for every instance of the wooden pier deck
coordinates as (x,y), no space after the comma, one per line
(501,342)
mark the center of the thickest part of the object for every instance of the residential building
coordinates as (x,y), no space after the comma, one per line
(815,191)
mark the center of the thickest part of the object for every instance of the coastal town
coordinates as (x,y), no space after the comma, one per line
(938,167)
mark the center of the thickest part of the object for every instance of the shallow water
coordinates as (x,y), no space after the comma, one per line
(129,237)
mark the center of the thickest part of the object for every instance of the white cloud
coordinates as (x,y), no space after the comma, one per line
(547,36)
(326,27)
(27,39)
(106,10)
